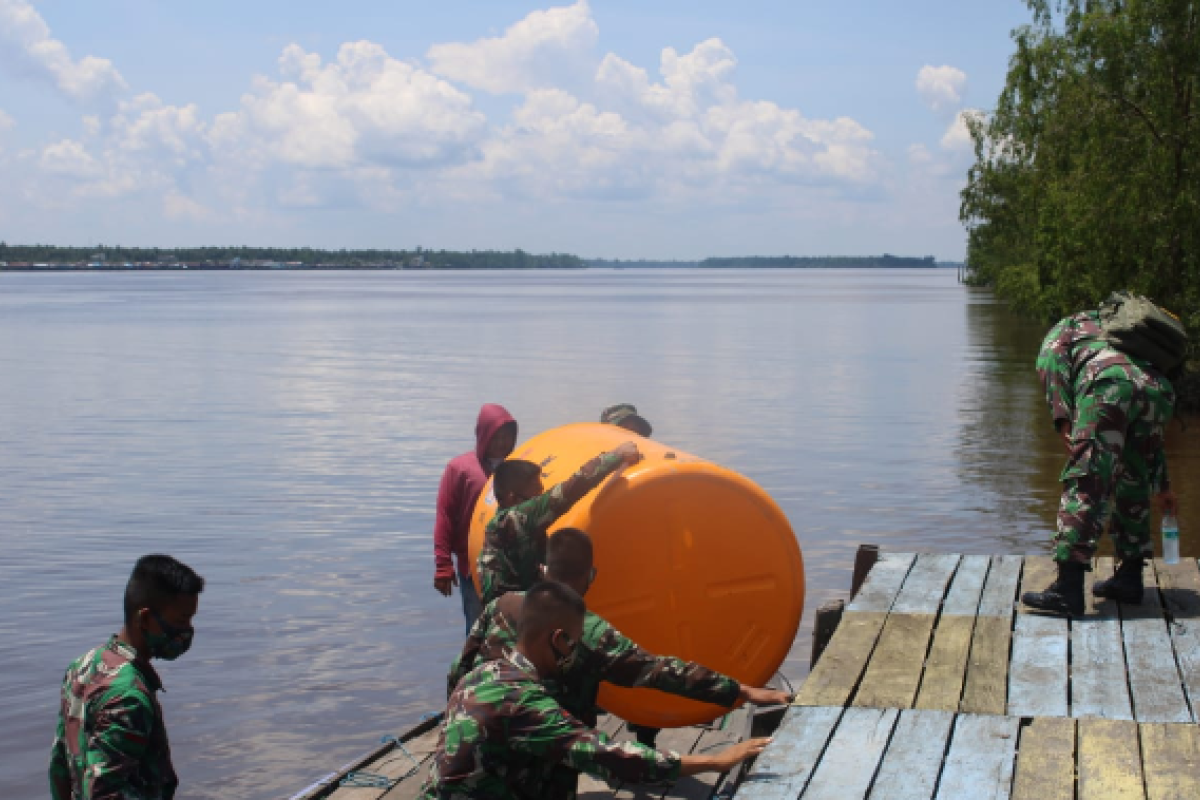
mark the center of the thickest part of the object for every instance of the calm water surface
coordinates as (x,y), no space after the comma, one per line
(284,434)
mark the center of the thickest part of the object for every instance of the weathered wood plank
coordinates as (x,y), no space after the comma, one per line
(678,740)
(986,688)
(979,763)
(1171,756)
(1110,764)
(699,787)
(965,590)
(784,768)
(1179,585)
(925,586)
(1039,572)
(1000,588)
(946,666)
(834,679)
(393,765)
(848,764)
(1098,684)
(883,583)
(1038,672)
(1154,680)
(913,760)
(1046,760)
(895,668)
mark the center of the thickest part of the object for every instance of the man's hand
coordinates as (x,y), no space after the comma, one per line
(628,453)
(1169,502)
(1064,432)
(446,585)
(764,697)
(729,758)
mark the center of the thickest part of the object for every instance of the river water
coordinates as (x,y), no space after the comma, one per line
(284,434)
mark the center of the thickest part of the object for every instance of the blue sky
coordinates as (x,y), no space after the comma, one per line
(604,128)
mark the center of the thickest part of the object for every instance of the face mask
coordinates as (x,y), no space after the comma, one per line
(566,661)
(172,642)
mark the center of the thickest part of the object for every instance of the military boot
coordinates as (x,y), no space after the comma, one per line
(1064,596)
(1126,585)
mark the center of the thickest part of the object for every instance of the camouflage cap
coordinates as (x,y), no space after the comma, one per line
(624,415)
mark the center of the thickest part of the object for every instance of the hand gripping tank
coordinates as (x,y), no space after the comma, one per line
(693,561)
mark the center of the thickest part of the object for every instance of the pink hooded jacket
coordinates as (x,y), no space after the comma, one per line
(461,484)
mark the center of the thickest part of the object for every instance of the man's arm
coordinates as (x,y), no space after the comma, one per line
(543,510)
(1054,368)
(117,746)
(469,657)
(443,532)
(60,773)
(624,663)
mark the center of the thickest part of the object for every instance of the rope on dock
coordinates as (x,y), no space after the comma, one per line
(374,780)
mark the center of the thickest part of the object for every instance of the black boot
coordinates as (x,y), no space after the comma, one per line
(1126,585)
(1064,596)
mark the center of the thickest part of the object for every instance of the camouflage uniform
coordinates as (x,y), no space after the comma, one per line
(111,743)
(514,544)
(1118,408)
(503,734)
(605,655)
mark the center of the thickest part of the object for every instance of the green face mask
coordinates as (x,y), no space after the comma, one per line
(172,642)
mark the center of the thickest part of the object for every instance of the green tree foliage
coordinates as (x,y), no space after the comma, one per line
(1086,178)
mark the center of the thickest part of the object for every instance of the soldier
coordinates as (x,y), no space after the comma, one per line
(625,415)
(604,653)
(111,741)
(503,730)
(514,544)
(462,481)
(1111,411)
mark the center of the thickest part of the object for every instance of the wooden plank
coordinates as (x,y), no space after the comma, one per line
(1037,673)
(1000,588)
(833,681)
(1046,760)
(678,740)
(913,760)
(848,764)
(925,586)
(1099,687)
(392,765)
(1171,755)
(1102,570)
(883,582)
(979,763)
(962,599)
(894,671)
(1039,572)
(946,666)
(1110,764)
(410,787)
(1154,680)
(784,768)
(734,729)
(1179,585)
(986,688)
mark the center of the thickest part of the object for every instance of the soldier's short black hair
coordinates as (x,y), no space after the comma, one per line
(512,476)
(156,581)
(568,555)
(549,605)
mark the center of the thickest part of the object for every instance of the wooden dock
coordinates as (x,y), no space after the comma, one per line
(389,773)
(939,683)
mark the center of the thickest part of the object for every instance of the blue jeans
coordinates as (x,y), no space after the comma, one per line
(472,608)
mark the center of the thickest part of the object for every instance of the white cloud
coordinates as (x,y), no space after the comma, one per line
(941,88)
(6,122)
(177,206)
(957,137)
(27,46)
(547,48)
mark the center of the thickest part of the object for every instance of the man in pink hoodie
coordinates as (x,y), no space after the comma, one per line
(463,480)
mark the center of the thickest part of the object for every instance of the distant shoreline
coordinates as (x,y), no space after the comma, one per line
(40,268)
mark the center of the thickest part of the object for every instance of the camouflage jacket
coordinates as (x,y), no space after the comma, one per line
(514,544)
(111,743)
(503,735)
(1074,355)
(606,655)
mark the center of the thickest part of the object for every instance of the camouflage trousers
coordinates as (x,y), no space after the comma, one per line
(1116,455)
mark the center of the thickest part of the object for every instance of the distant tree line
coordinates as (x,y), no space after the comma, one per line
(306,256)
(819,262)
(1086,177)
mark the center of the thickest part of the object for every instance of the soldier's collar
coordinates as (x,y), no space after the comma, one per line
(144,668)
(521,662)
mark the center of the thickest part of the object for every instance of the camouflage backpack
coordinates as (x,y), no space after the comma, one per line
(1138,328)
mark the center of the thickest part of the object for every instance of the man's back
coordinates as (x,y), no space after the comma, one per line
(111,741)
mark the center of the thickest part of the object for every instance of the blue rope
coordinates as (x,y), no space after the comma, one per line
(373,780)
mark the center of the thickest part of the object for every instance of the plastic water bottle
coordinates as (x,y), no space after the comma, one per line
(1170,536)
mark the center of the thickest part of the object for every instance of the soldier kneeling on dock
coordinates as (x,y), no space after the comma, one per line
(604,653)
(503,731)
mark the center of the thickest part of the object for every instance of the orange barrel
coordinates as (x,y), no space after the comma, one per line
(693,561)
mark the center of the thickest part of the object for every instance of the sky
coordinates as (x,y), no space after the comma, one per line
(609,129)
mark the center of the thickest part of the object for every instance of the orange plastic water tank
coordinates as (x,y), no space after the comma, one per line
(693,561)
